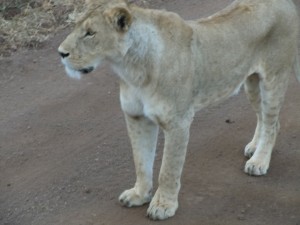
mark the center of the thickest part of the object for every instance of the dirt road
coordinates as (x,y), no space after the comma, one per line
(65,155)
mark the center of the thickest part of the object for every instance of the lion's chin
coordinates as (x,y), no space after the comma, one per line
(76,74)
(73,73)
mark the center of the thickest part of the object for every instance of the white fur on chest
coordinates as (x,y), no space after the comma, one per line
(142,49)
(131,102)
(137,102)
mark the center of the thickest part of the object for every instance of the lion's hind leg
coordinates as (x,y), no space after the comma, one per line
(272,90)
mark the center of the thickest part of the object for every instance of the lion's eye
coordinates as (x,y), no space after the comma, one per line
(90,33)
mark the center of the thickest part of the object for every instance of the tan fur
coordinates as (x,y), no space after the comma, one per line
(228,13)
(170,68)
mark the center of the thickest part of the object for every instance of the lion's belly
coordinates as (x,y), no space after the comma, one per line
(215,92)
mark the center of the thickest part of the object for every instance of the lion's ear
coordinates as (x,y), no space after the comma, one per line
(119,17)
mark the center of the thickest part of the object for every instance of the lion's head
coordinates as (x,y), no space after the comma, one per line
(97,36)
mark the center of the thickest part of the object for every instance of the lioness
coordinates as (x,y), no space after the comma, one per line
(170,68)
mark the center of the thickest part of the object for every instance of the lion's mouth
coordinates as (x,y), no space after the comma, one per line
(86,70)
(77,73)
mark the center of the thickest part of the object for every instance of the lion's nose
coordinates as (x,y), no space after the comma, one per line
(64,54)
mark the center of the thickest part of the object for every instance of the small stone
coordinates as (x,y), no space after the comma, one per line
(229,121)
(87,191)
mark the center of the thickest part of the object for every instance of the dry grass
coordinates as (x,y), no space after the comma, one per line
(28,23)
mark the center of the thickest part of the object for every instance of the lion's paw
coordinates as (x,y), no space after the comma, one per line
(161,208)
(130,198)
(249,150)
(256,167)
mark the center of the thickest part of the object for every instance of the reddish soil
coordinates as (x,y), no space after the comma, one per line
(65,155)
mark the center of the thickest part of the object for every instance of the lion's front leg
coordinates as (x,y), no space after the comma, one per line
(165,201)
(143,137)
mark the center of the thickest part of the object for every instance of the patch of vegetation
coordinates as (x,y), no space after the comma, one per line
(28,23)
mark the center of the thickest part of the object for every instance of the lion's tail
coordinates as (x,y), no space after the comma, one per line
(297,67)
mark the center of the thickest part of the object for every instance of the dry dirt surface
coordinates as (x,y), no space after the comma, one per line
(65,155)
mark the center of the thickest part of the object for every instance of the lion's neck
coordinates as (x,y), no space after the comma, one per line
(143,47)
